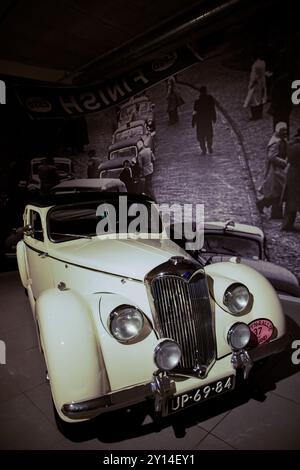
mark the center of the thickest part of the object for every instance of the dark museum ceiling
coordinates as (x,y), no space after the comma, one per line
(83,41)
(58,36)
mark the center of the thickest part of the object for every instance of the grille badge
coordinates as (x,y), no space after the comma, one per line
(200,371)
(187,275)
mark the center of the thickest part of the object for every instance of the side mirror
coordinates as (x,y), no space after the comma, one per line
(28,230)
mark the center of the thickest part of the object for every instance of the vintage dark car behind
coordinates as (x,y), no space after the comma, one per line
(224,240)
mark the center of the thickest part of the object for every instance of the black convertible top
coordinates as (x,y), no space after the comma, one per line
(73,198)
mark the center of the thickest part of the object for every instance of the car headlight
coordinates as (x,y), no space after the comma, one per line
(126,323)
(239,336)
(167,354)
(237,298)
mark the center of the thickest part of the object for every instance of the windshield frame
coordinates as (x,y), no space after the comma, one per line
(52,209)
(120,135)
(123,156)
(236,236)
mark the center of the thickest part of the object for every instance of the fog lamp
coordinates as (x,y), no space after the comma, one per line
(167,354)
(239,336)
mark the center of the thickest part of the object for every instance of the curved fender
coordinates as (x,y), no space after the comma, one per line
(23,271)
(266,303)
(21,259)
(126,364)
(68,339)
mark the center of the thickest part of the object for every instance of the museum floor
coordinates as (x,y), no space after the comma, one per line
(237,421)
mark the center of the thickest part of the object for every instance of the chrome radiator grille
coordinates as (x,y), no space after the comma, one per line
(182,312)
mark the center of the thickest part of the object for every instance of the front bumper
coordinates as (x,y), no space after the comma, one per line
(274,347)
(160,388)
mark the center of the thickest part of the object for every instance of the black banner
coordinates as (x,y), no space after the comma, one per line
(61,101)
(156,458)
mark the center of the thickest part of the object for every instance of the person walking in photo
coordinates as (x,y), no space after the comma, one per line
(126,176)
(204,115)
(174,100)
(92,164)
(145,161)
(257,90)
(281,103)
(292,193)
(275,172)
(48,175)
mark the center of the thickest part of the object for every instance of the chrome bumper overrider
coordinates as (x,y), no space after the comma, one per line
(162,386)
(245,359)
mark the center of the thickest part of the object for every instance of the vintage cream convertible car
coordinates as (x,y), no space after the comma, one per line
(126,315)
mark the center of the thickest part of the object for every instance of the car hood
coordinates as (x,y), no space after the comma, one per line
(128,258)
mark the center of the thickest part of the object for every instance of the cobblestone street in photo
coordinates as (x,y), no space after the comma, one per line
(227,181)
(222,181)
(183,175)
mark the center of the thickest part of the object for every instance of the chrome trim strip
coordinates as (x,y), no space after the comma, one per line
(83,267)
(90,408)
(177,266)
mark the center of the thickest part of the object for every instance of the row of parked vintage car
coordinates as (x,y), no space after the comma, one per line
(136,121)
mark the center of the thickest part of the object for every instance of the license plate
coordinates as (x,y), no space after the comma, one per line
(201,394)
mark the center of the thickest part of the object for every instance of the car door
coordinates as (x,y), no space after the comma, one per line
(38,263)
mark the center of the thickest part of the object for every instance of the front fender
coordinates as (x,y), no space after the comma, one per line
(265,304)
(126,364)
(68,339)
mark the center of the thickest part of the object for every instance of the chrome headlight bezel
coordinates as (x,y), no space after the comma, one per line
(118,315)
(233,341)
(230,296)
(161,350)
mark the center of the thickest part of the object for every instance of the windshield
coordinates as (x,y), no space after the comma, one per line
(126,152)
(127,133)
(231,245)
(103,217)
(135,111)
(114,173)
(61,167)
(127,113)
(143,107)
(110,186)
